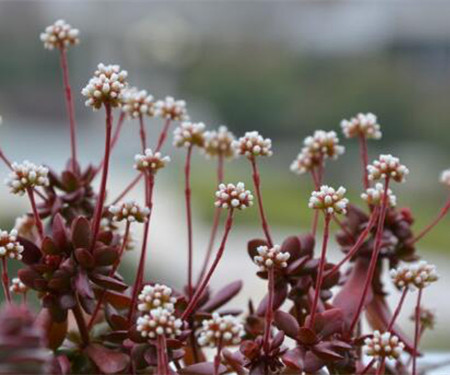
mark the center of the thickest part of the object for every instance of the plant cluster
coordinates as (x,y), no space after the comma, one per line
(73,241)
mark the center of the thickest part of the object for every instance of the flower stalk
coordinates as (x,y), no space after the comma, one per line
(5,279)
(416,331)
(37,218)
(187,197)
(443,212)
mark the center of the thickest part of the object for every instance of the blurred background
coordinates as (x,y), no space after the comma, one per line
(283,68)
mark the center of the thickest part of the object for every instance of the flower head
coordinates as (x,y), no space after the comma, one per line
(271,257)
(387,166)
(150,162)
(219,143)
(374,196)
(253,144)
(383,345)
(106,86)
(418,275)
(362,124)
(26,175)
(329,200)
(159,322)
(155,296)
(59,35)
(171,109)
(426,316)
(9,246)
(17,286)
(226,330)
(130,211)
(189,134)
(323,145)
(233,196)
(445,177)
(304,162)
(137,103)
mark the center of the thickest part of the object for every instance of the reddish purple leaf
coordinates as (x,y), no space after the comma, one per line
(84,258)
(307,336)
(105,255)
(118,300)
(82,285)
(223,296)
(281,290)
(252,245)
(325,352)
(59,232)
(107,360)
(202,368)
(108,282)
(287,323)
(49,247)
(81,232)
(293,246)
(31,253)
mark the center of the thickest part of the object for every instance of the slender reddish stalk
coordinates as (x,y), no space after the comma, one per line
(187,194)
(368,367)
(201,289)
(374,258)
(416,332)
(5,280)
(111,273)
(37,218)
(397,310)
(257,183)
(163,135)
(215,225)
(163,365)
(101,197)
(129,187)
(356,246)
(381,367)
(69,106)
(326,231)
(441,215)
(269,310)
(217,358)
(314,223)
(79,318)
(142,133)
(343,228)
(364,159)
(5,159)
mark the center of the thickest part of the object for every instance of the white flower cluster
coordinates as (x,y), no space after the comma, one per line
(226,330)
(445,177)
(271,257)
(220,143)
(137,103)
(159,322)
(130,211)
(106,86)
(26,175)
(329,200)
(150,162)
(383,345)
(303,163)
(17,286)
(362,124)
(189,134)
(418,275)
(155,296)
(59,35)
(387,166)
(9,246)
(171,109)
(253,144)
(233,196)
(375,195)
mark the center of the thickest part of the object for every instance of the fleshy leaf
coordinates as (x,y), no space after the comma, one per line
(223,296)
(81,232)
(287,323)
(107,360)
(31,253)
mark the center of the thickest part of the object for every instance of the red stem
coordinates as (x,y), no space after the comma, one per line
(364,159)
(269,310)
(101,197)
(111,273)
(319,280)
(5,280)
(257,183)
(142,133)
(217,358)
(416,331)
(129,187)
(200,290)
(78,314)
(343,228)
(163,135)
(5,159)
(397,310)
(70,110)
(368,367)
(374,258)
(187,194)
(381,367)
(37,218)
(441,215)
(163,365)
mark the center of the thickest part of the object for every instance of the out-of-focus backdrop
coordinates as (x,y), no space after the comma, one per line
(283,68)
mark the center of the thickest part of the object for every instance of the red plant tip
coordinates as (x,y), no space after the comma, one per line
(427,318)
(387,166)
(365,125)
(374,196)
(130,211)
(418,275)
(171,109)
(383,345)
(60,35)
(219,143)
(233,196)
(150,162)
(329,200)
(189,134)
(253,144)
(445,177)
(105,87)
(220,330)
(271,257)
(17,286)
(137,103)
(26,176)
(156,296)
(9,246)
(159,322)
